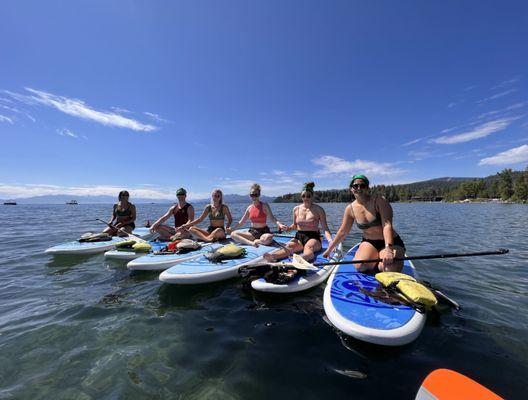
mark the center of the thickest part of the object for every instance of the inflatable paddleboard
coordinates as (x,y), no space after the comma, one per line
(363,317)
(160,262)
(129,254)
(444,384)
(83,248)
(304,282)
(201,270)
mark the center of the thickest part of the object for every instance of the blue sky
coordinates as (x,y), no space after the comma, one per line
(96,96)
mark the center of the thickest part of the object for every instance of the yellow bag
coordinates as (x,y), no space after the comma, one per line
(142,247)
(231,250)
(126,244)
(408,287)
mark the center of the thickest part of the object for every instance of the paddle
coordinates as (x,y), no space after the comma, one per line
(425,257)
(122,230)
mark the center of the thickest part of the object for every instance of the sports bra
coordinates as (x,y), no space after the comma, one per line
(122,213)
(375,222)
(219,216)
(257,214)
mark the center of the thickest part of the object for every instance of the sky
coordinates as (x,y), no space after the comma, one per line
(150,96)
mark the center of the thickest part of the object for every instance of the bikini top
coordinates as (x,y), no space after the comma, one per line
(375,222)
(122,213)
(220,214)
(257,214)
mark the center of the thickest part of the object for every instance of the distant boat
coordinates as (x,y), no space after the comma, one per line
(10,203)
(72,202)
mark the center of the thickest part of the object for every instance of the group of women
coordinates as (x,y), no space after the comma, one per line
(372,214)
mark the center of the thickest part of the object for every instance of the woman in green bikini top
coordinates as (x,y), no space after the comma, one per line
(373,215)
(217,213)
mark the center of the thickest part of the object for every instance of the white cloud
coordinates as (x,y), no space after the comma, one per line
(496,96)
(411,142)
(155,117)
(67,132)
(79,109)
(6,119)
(30,190)
(479,132)
(513,156)
(332,165)
(507,83)
(502,110)
(452,104)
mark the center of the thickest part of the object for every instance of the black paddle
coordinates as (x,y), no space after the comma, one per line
(121,230)
(426,257)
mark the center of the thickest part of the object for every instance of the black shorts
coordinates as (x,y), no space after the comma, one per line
(258,232)
(212,228)
(380,244)
(304,236)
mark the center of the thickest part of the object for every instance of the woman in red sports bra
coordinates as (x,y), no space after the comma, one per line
(182,211)
(307,217)
(257,212)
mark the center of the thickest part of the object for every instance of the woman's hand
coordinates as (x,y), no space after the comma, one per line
(229,230)
(327,253)
(387,255)
(283,227)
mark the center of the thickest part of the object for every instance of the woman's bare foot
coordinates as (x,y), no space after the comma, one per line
(256,243)
(269,257)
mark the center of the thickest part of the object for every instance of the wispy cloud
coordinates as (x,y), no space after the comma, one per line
(479,132)
(331,165)
(502,111)
(509,157)
(155,117)
(78,108)
(506,83)
(3,118)
(496,96)
(412,142)
(67,132)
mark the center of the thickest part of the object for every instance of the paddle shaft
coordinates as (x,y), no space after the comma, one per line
(426,257)
(121,230)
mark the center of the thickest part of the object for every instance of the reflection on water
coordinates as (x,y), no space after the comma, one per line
(83,327)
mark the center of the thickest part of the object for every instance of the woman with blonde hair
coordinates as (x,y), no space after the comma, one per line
(257,213)
(217,213)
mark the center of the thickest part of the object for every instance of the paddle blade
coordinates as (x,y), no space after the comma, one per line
(300,263)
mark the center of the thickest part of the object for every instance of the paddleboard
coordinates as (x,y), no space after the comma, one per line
(445,384)
(129,254)
(201,270)
(83,248)
(363,317)
(304,282)
(160,262)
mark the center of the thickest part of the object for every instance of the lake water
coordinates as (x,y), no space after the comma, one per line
(86,328)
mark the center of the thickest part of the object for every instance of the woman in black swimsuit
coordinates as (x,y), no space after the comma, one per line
(124,215)
(373,215)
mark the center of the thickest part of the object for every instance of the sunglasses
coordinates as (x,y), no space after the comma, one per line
(254,194)
(216,195)
(359,186)
(306,196)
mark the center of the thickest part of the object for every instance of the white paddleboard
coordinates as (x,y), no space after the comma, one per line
(304,282)
(83,248)
(201,270)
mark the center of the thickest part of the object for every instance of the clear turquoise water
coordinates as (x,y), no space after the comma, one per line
(86,328)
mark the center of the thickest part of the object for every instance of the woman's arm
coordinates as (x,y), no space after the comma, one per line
(344,229)
(163,218)
(385,211)
(324,223)
(293,226)
(242,220)
(269,213)
(197,220)
(229,216)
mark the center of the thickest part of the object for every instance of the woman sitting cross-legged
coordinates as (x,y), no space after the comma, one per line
(218,213)
(257,212)
(307,217)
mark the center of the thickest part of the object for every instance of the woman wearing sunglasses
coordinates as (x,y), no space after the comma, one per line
(258,212)
(307,218)
(373,215)
(217,213)
(182,212)
(124,215)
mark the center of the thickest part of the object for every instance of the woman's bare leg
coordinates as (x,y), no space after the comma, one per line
(244,238)
(266,239)
(165,231)
(310,248)
(293,246)
(366,251)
